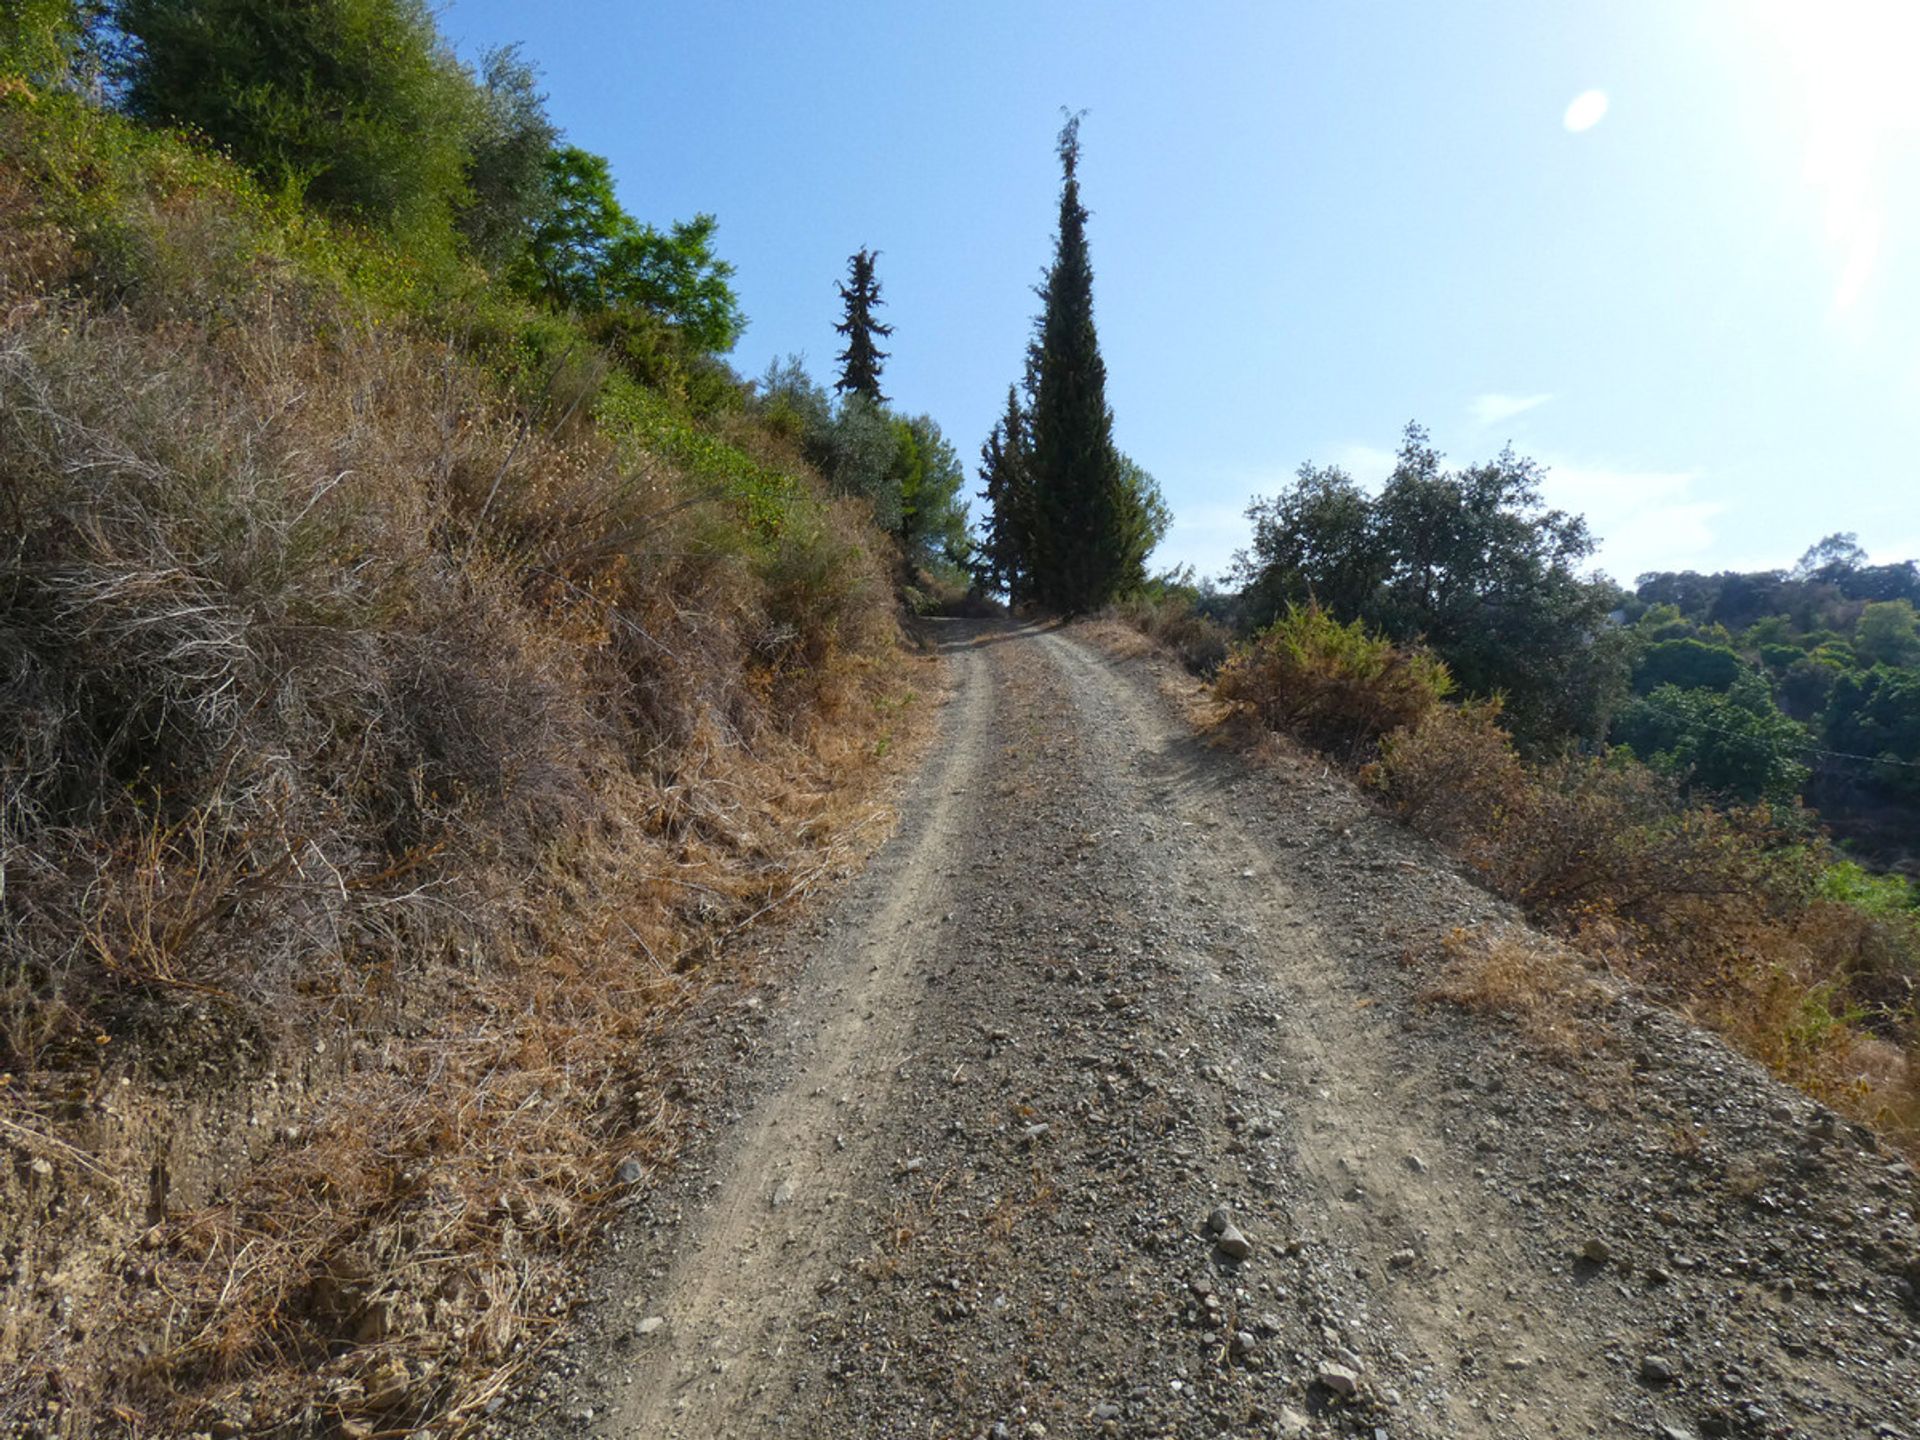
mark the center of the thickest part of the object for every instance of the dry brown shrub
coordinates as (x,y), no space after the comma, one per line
(1200,643)
(1334,686)
(1714,911)
(1454,775)
(1522,979)
(348,707)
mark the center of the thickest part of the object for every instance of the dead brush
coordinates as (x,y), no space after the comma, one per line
(1519,978)
(348,697)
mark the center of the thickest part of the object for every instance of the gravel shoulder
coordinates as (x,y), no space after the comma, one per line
(1111,1099)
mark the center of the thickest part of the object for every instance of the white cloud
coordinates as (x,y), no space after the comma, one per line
(1644,519)
(1491,409)
(1587,110)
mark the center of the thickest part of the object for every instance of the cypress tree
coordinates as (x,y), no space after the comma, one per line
(860,361)
(1079,507)
(1006,549)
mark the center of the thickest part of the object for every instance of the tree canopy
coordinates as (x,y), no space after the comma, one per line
(1469,560)
(355,106)
(589,254)
(860,361)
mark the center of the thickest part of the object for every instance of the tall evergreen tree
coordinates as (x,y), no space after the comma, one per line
(860,361)
(1081,520)
(1006,559)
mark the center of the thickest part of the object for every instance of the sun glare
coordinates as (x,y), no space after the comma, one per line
(1586,111)
(1852,60)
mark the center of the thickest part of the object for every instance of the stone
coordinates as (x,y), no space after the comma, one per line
(1219,1222)
(1243,1342)
(1596,1251)
(1292,1424)
(651,1325)
(782,1195)
(629,1171)
(1401,1259)
(1233,1244)
(387,1384)
(1340,1379)
(1657,1370)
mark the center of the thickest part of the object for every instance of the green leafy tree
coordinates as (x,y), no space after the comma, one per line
(509,188)
(1877,712)
(1468,560)
(589,254)
(1888,633)
(1314,543)
(1079,492)
(1831,557)
(1736,745)
(933,516)
(860,361)
(355,106)
(53,42)
(1691,664)
(1145,519)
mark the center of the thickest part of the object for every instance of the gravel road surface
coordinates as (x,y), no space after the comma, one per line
(1111,1099)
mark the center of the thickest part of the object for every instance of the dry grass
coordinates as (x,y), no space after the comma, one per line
(1714,912)
(388,759)
(1522,980)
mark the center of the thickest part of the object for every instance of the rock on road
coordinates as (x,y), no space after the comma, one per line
(1106,1101)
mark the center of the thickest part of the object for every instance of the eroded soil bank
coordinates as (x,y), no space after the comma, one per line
(958,1172)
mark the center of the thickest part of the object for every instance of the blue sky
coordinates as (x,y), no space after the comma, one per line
(1314,222)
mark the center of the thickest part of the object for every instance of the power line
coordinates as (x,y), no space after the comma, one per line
(1807,748)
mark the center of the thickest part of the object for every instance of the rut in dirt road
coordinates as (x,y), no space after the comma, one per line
(1107,982)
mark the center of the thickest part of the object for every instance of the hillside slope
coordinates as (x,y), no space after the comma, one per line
(401,702)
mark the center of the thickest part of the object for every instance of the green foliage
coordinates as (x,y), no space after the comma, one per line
(1081,519)
(1315,541)
(1888,633)
(903,467)
(1691,664)
(1882,896)
(860,361)
(52,42)
(1005,557)
(1145,518)
(1877,712)
(588,254)
(1806,684)
(933,517)
(509,190)
(1736,745)
(1337,687)
(1467,560)
(354,106)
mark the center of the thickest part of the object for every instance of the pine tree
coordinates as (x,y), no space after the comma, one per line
(1079,522)
(860,361)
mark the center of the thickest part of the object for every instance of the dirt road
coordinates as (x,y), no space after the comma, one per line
(1110,988)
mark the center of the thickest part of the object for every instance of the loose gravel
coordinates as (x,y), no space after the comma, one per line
(1111,1100)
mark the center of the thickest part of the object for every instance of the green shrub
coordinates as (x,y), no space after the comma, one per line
(352,105)
(1688,663)
(1334,686)
(1737,745)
